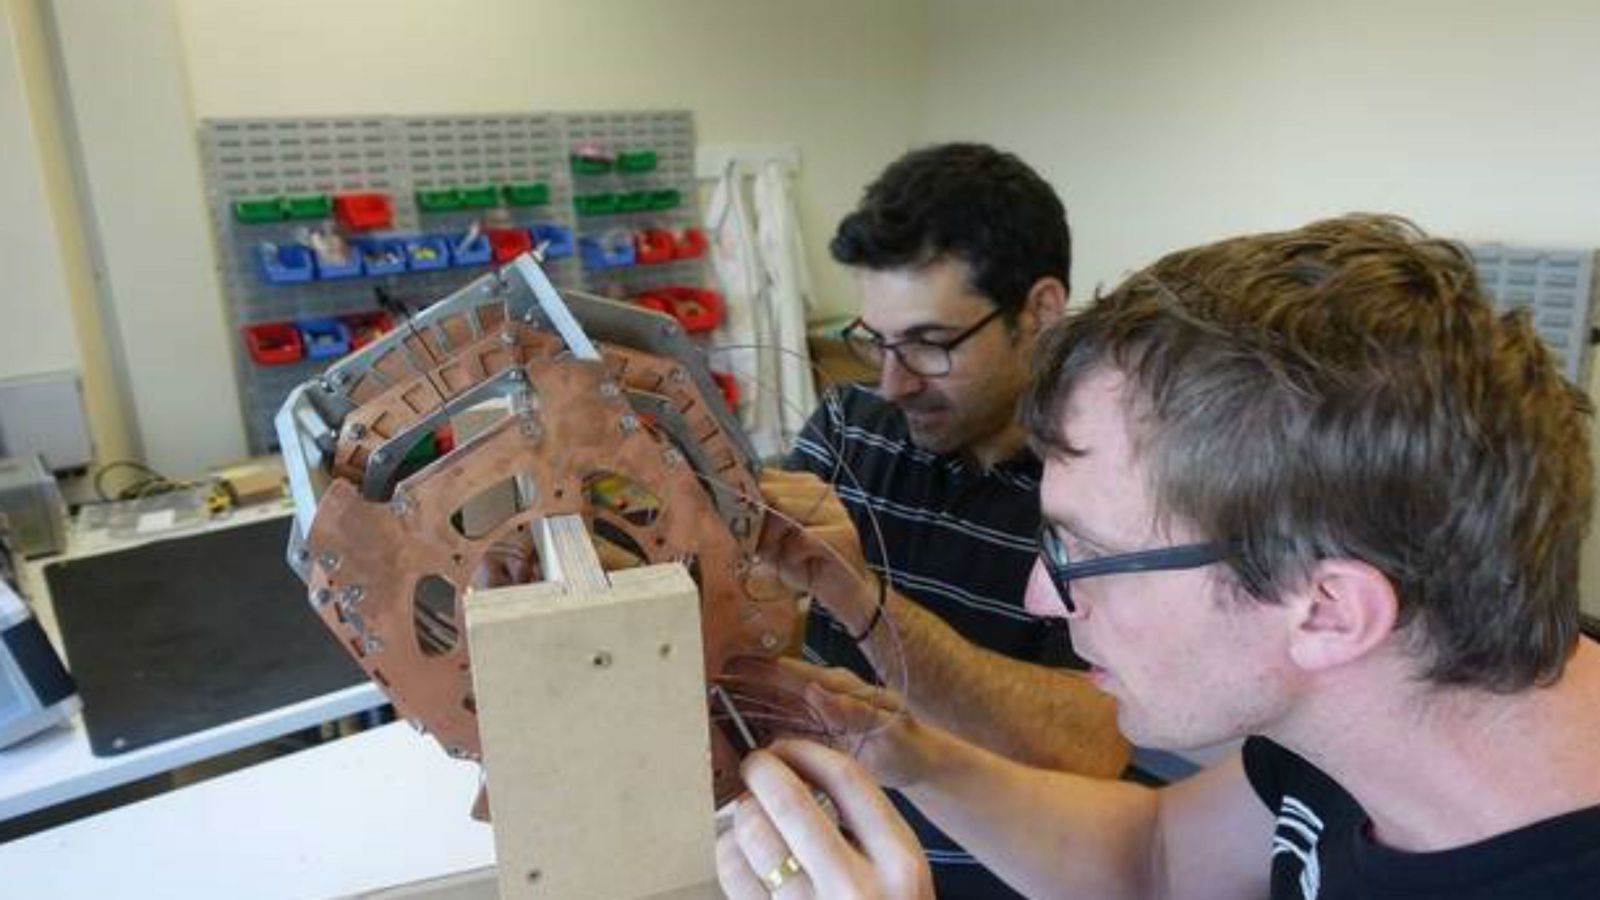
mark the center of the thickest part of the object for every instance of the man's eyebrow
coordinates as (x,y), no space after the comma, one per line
(915,332)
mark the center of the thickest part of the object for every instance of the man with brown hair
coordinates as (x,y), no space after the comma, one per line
(1304,488)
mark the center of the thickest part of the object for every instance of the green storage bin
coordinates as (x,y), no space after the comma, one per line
(590,165)
(665,199)
(258,209)
(635,161)
(480,197)
(308,206)
(634,201)
(595,204)
(439,200)
(534,193)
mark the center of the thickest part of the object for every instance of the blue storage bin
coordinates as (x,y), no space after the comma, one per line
(426,253)
(329,269)
(610,251)
(324,338)
(476,253)
(285,263)
(382,257)
(558,236)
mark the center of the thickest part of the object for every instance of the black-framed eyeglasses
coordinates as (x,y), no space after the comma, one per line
(919,356)
(1063,570)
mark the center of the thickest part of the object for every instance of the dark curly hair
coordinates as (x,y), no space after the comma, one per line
(970,202)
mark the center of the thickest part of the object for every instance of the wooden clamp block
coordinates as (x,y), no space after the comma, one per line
(592,709)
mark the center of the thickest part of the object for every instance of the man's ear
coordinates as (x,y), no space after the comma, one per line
(1343,610)
(1046,304)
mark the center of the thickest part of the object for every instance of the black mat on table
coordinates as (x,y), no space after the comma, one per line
(185,634)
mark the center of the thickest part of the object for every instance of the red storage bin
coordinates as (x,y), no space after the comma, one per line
(653,245)
(698,309)
(689,244)
(363,212)
(367,327)
(508,243)
(654,301)
(274,343)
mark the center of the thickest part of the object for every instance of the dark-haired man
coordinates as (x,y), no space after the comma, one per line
(1304,487)
(962,254)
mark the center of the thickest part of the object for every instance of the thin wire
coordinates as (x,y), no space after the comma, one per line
(830,402)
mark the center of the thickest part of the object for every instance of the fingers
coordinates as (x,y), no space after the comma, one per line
(735,873)
(801,495)
(800,822)
(767,855)
(864,810)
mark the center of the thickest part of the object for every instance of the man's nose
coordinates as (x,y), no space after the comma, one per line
(896,381)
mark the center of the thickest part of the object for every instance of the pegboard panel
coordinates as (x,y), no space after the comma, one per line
(670,137)
(273,182)
(470,153)
(1557,287)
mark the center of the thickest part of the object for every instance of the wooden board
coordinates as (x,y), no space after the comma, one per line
(592,709)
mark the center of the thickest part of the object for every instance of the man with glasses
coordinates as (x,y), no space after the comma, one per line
(1304,488)
(962,254)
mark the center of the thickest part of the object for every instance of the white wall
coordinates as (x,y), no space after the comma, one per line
(1170,124)
(840,78)
(127,102)
(36,333)
(1166,124)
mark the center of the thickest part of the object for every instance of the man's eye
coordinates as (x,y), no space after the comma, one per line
(1078,550)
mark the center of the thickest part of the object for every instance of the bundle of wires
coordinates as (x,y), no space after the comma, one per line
(143,481)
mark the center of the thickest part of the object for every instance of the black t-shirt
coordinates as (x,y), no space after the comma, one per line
(1322,847)
(960,542)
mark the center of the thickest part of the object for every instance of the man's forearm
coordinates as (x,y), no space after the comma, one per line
(1045,717)
(1047,833)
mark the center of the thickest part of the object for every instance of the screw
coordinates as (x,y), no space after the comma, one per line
(352,595)
(302,556)
(671,456)
(321,596)
(534,875)
(608,388)
(630,423)
(371,645)
(330,561)
(357,431)
(601,659)
(508,337)
(666,650)
(769,641)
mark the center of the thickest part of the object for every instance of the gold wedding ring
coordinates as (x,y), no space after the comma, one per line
(781,873)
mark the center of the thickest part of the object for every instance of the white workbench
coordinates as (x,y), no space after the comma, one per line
(57,765)
(382,808)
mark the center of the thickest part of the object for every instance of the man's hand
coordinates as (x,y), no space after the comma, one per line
(813,545)
(868,722)
(784,845)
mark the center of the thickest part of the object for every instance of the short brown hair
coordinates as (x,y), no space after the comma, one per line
(1345,390)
